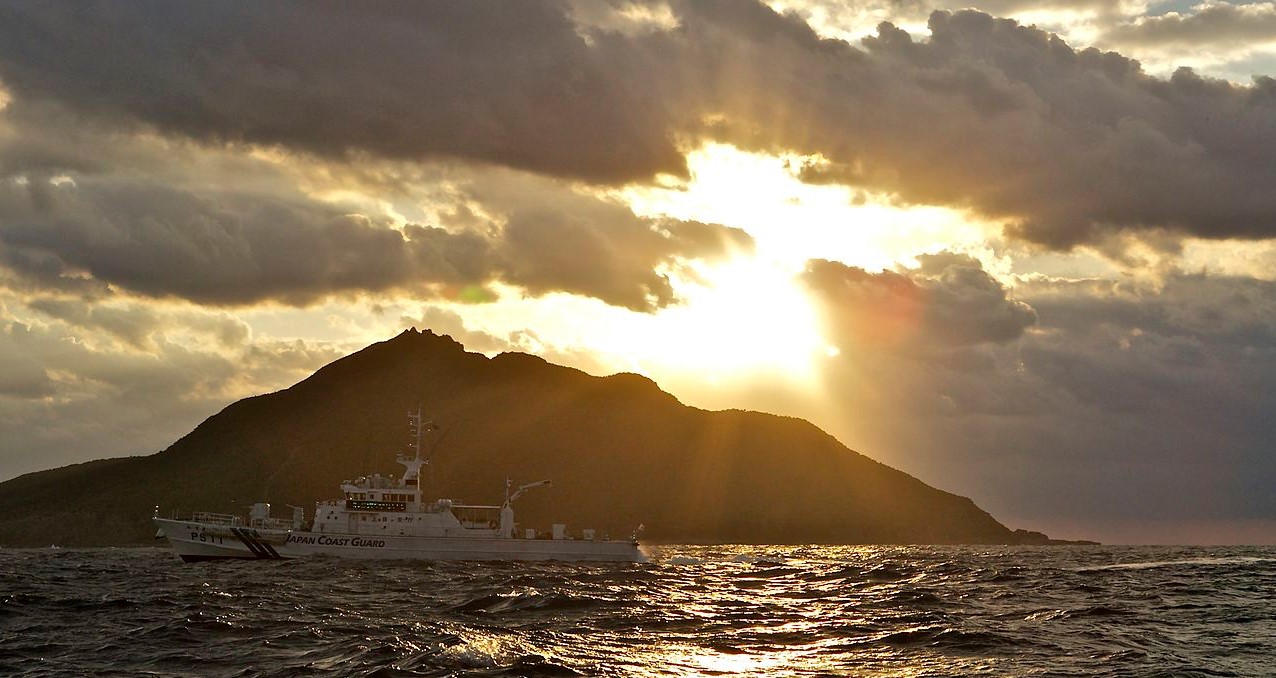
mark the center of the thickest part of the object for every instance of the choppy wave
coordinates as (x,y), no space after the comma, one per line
(1182,563)
(870,611)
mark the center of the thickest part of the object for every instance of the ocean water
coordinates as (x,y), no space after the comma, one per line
(799,611)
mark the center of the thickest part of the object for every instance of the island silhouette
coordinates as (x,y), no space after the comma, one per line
(621,452)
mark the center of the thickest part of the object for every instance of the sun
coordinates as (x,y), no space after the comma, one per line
(743,315)
(739,318)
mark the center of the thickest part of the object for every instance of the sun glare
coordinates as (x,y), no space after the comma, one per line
(793,222)
(744,315)
(740,317)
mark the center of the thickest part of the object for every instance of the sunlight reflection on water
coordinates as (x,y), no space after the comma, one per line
(794,611)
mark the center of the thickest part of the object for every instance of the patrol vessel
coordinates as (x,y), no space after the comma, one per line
(388,518)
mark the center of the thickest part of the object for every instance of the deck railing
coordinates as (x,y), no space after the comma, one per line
(216,518)
(272,524)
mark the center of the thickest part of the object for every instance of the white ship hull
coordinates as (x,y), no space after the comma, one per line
(387,518)
(195,541)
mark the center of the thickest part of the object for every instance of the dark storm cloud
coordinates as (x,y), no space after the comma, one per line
(987,114)
(510,83)
(948,302)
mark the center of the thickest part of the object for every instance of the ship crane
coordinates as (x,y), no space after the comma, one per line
(507,509)
(509,498)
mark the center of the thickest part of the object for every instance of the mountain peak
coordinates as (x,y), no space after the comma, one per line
(414,337)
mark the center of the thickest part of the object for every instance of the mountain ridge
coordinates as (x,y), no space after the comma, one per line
(621,452)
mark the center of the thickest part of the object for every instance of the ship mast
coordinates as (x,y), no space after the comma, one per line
(417,429)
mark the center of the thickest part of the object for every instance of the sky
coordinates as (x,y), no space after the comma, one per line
(1020,249)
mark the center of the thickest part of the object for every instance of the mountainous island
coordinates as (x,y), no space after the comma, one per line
(621,453)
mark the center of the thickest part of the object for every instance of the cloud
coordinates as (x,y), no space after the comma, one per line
(140,326)
(85,206)
(986,114)
(218,248)
(948,302)
(1194,346)
(1069,146)
(74,389)
(236,246)
(1211,24)
(513,85)
(23,377)
(551,251)
(905,11)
